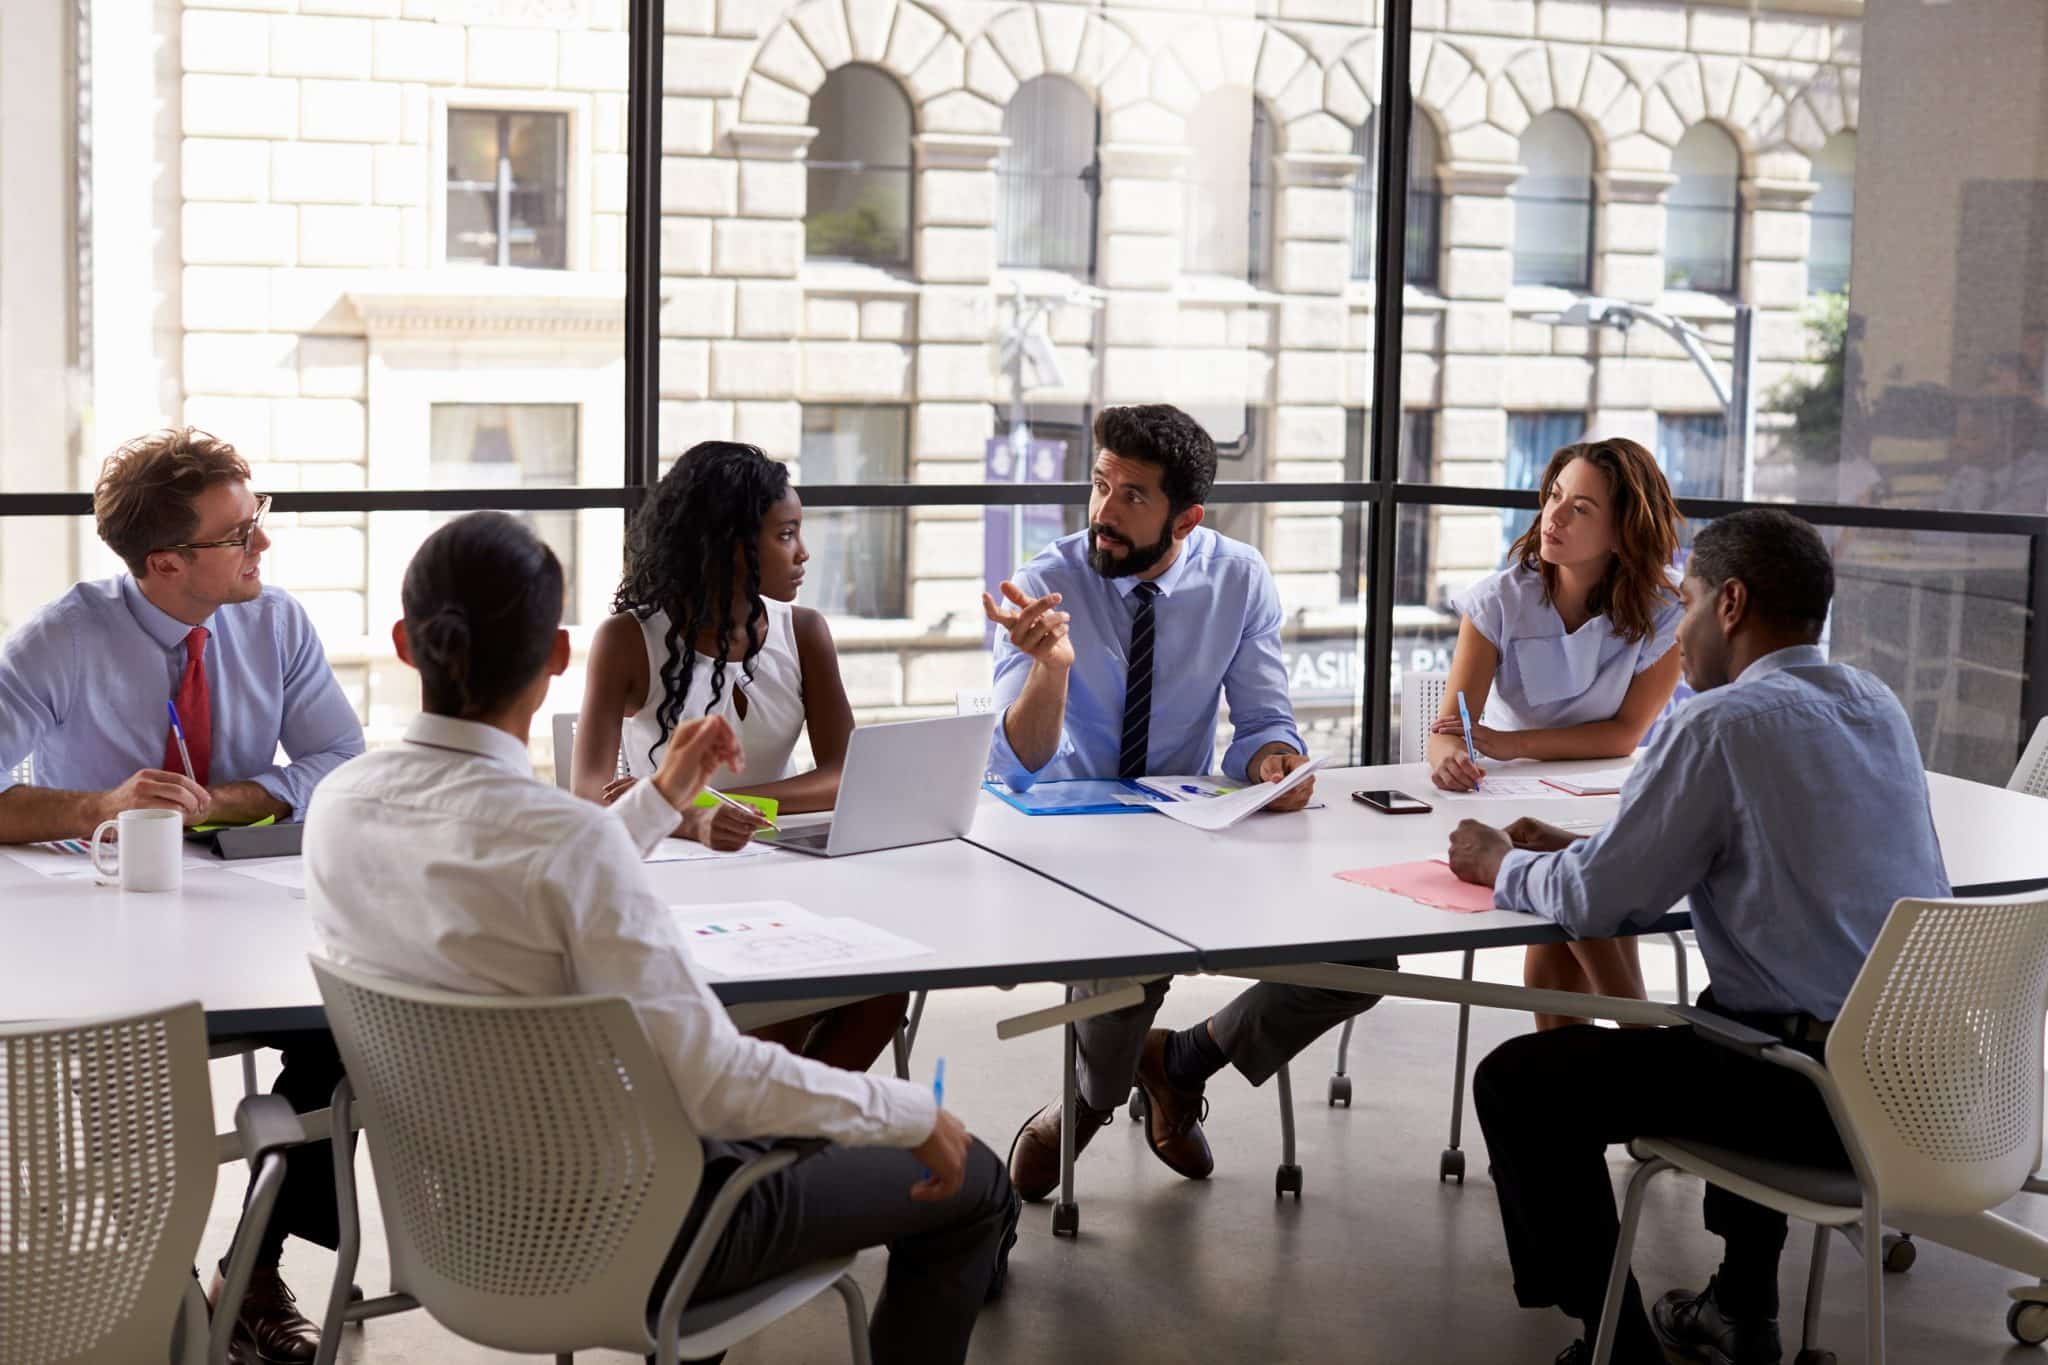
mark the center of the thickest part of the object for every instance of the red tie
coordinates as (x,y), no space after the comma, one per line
(195,712)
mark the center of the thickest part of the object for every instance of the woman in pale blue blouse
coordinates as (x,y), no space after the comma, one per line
(1568,653)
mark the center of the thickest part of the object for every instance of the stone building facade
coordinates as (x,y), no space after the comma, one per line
(276,175)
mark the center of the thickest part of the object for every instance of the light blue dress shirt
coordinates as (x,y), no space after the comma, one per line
(1789,807)
(1550,678)
(1216,633)
(84,682)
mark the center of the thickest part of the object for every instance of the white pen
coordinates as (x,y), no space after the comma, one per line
(755,811)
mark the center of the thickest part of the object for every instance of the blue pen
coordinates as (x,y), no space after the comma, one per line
(183,752)
(1465,718)
(939,1082)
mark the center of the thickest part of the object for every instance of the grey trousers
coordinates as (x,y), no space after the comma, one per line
(1259,1031)
(846,1199)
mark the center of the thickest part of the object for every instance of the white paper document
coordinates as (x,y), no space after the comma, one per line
(289,873)
(71,859)
(59,858)
(1221,812)
(689,850)
(768,938)
(1498,788)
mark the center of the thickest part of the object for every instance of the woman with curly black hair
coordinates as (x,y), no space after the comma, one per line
(706,625)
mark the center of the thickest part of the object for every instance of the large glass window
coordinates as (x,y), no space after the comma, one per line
(1692,449)
(1703,214)
(858,176)
(1229,186)
(1422,240)
(512,445)
(1554,204)
(1834,207)
(1050,178)
(508,178)
(857,554)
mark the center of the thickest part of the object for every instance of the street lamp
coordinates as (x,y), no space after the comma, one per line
(1735,394)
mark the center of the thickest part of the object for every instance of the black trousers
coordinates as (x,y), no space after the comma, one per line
(305,1203)
(1551,1104)
(847,1199)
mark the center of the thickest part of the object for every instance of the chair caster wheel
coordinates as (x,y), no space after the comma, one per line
(1140,1106)
(1451,1166)
(1899,1253)
(1340,1091)
(1066,1220)
(2028,1323)
(1286,1181)
(1814,1358)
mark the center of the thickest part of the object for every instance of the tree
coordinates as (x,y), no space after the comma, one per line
(1814,400)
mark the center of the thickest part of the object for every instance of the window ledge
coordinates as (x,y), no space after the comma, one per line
(489,299)
(1206,288)
(1691,303)
(854,277)
(1043,281)
(1542,298)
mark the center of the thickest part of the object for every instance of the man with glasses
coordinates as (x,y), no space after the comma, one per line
(83,692)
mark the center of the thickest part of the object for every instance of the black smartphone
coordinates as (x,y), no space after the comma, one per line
(1392,802)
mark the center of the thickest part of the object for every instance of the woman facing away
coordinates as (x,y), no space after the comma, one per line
(1568,652)
(706,625)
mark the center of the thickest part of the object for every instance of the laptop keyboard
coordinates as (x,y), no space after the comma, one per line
(815,837)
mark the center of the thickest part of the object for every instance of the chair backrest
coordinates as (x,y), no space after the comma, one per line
(564,724)
(1422,697)
(1937,1052)
(107,1165)
(2031,776)
(532,1159)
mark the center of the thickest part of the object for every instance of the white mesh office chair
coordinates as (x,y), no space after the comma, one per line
(1933,1079)
(107,1165)
(1422,700)
(534,1166)
(2031,774)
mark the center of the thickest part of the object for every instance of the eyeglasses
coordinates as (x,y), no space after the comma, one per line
(243,534)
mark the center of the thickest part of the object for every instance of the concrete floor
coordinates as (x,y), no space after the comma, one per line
(1377,1263)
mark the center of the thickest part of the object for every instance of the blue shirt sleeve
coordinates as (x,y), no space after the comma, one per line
(1675,818)
(1255,683)
(321,731)
(1484,604)
(37,672)
(1012,667)
(1663,634)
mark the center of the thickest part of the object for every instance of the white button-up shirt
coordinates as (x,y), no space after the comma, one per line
(442,862)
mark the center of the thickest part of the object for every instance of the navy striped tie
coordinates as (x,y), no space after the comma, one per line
(1131,755)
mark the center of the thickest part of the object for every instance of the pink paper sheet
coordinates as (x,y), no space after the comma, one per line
(1429,883)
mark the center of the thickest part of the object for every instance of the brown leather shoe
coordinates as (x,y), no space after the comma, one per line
(1035,1151)
(270,1329)
(1173,1118)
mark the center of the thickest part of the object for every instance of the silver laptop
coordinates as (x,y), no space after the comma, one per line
(913,782)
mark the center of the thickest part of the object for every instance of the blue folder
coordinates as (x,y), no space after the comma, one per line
(1082,796)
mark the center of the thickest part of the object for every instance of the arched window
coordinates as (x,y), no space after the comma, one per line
(1703,214)
(1229,210)
(1424,200)
(858,173)
(1048,178)
(1827,259)
(1554,204)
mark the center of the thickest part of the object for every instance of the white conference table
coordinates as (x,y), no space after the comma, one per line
(239,946)
(1265,892)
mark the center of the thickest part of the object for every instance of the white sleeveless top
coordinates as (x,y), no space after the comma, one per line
(775,701)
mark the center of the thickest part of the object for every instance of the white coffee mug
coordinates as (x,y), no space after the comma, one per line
(150,854)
